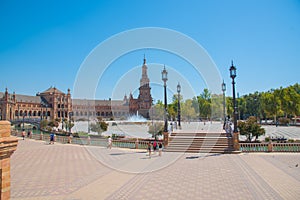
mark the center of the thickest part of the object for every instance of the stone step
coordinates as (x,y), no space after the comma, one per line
(191,134)
(200,142)
(201,150)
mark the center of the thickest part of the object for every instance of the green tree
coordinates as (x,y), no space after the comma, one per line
(204,102)
(250,128)
(156,129)
(44,124)
(158,108)
(99,127)
(229,106)
(53,123)
(187,110)
(69,125)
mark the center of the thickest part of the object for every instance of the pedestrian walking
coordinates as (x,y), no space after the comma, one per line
(23,134)
(159,148)
(52,138)
(149,149)
(89,140)
(154,146)
(109,142)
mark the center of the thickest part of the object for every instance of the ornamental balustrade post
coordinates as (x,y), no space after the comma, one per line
(8,145)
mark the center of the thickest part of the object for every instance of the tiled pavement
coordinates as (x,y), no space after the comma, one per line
(42,171)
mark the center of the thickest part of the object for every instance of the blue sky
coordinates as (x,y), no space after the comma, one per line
(44,43)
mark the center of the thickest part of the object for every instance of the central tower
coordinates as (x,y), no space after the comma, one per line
(144,99)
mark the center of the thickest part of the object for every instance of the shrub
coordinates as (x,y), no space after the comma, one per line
(267,139)
(114,124)
(284,121)
(250,128)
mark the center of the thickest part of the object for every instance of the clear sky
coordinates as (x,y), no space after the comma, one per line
(44,43)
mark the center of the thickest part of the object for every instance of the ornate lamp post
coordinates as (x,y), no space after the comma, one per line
(233,75)
(89,129)
(178,117)
(224,107)
(23,119)
(70,120)
(18,111)
(164,74)
(63,118)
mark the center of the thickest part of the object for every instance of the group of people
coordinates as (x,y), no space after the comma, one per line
(24,133)
(154,146)
(29,134)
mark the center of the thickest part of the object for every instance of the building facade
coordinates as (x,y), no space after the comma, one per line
(54,104)
(50,104)
(144,101)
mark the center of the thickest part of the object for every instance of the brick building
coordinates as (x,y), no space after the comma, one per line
(53,103)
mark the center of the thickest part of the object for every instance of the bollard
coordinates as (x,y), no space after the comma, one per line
(236,144)
(166,139)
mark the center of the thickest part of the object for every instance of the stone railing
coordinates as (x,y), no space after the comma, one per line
(121,143)
(270,147)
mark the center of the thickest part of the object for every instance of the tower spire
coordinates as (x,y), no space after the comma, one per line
(144,59)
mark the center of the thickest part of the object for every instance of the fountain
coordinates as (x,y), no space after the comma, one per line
(136,118)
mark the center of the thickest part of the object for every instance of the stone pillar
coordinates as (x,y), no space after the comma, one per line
(8,145)
(137,143)
(236,144)
(166,139)
(270,147)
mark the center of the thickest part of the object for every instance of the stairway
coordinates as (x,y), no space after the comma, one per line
(199,142)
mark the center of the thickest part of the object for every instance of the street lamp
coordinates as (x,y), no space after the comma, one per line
(233,75)
(164,75)
(46,111)
(18,112)
(178,117)
(62,124)
(89,129)
(224,113)
(23,119)
(70,118)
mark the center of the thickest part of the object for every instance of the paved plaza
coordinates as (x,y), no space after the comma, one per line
(73,172)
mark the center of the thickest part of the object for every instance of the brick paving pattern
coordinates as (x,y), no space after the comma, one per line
(71,172)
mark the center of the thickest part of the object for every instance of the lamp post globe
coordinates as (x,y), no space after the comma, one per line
(223,87)
(232,71)
(164,75)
